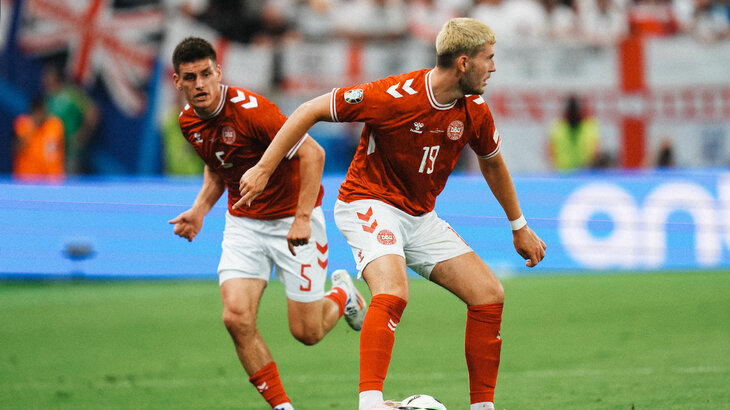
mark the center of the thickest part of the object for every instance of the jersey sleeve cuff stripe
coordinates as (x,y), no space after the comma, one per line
(493,153)
(333,105)
(295,148)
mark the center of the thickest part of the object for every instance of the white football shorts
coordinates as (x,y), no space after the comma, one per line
(252,247)
(374,228)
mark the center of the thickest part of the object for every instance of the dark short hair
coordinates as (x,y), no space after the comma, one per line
(192,49)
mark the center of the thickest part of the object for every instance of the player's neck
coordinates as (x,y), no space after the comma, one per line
(445,86)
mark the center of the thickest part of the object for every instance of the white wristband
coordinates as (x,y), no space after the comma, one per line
(518,223)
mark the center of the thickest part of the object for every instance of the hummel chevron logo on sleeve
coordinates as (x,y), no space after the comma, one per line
(406,87)
(240,96)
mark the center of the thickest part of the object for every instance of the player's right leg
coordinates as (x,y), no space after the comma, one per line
(243,273)
(241,298)
(372,230)
(387,278)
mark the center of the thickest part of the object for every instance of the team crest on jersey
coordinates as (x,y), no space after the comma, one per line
(454,130)
(386,237)
(353,96)
(197,138)
(228,135)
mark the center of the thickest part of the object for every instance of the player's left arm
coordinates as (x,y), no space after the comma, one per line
(526,242)
(311,165)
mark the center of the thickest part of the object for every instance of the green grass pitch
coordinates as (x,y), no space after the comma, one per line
(615,341)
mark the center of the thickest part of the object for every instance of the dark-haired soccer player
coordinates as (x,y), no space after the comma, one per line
(416,125)
(230,128)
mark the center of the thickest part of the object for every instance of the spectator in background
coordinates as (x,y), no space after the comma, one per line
(38,148)
(371,19)
(665,154)
(603,23)
(574,138)
(179,156)
(652,18)
(683,12)
(516,22)
(79,114)
(562,19)
(425,18)
(276,23)
(315,21)
(709,21)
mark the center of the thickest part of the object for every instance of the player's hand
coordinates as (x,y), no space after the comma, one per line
(299,233)
(187,224)
(251,185)
(529,246)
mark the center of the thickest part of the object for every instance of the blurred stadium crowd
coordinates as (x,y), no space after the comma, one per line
(667,97)
(598,22)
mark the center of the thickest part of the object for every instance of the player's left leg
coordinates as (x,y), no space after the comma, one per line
(312,312)
(469,278)
(309,322)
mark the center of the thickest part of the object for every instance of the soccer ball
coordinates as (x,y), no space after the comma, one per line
(421,402)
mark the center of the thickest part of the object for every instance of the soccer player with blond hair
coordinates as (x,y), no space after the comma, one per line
(416,126)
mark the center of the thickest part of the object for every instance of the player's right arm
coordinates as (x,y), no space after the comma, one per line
(296,126)
(190,222)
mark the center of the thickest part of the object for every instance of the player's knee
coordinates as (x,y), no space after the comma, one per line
(239,322)
(489,292)
(497,293)
(307,336)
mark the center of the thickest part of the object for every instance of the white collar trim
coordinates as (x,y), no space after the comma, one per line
(431,99)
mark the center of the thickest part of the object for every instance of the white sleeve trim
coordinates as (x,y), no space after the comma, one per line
(295,148)
(333,105)
(493,153)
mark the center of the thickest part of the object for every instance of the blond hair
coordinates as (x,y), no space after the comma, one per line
(459,36)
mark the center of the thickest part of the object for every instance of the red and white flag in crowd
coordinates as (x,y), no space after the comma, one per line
(116,44)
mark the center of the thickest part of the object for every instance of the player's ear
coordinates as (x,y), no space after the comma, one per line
(176,80)
(461,62)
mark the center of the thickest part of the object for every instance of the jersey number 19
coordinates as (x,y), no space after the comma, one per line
(429,158)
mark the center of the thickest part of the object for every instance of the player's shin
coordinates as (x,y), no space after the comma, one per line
(483,344)
(377,338)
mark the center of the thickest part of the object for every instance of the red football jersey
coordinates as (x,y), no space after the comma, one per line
(410,143)
(233,139)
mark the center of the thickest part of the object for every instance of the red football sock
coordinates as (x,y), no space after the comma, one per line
(339,296)
(268,383)
(376,339)
(482,346)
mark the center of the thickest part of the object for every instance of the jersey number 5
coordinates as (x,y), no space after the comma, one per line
(429,158)
(224,164)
